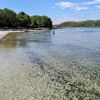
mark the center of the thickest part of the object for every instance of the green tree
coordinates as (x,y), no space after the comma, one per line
(7,18)
(23,20)
(36,21)
(1,18)
(41,22)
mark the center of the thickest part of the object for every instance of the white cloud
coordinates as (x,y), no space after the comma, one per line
(98,7)
(64,5)
(93,2)
(81,8)
(69,5)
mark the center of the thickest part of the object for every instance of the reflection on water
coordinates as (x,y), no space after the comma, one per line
(47,66)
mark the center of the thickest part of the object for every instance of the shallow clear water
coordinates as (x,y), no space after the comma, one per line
(47,66)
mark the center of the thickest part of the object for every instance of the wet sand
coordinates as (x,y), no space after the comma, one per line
(4,33)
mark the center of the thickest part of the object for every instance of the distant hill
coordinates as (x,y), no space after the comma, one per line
(87,23)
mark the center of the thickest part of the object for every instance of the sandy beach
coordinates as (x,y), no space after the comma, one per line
(4,33)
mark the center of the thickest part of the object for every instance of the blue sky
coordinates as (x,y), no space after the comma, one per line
(58,10)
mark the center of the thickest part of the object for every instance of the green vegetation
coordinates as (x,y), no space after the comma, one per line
(9,19)
(41,21)
(23,20)
(88,23)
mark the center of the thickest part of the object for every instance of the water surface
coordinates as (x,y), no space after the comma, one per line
(47,66)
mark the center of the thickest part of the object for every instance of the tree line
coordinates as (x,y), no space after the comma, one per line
(87,23)
(9,19)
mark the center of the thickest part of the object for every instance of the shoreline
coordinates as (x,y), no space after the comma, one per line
(3,33)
